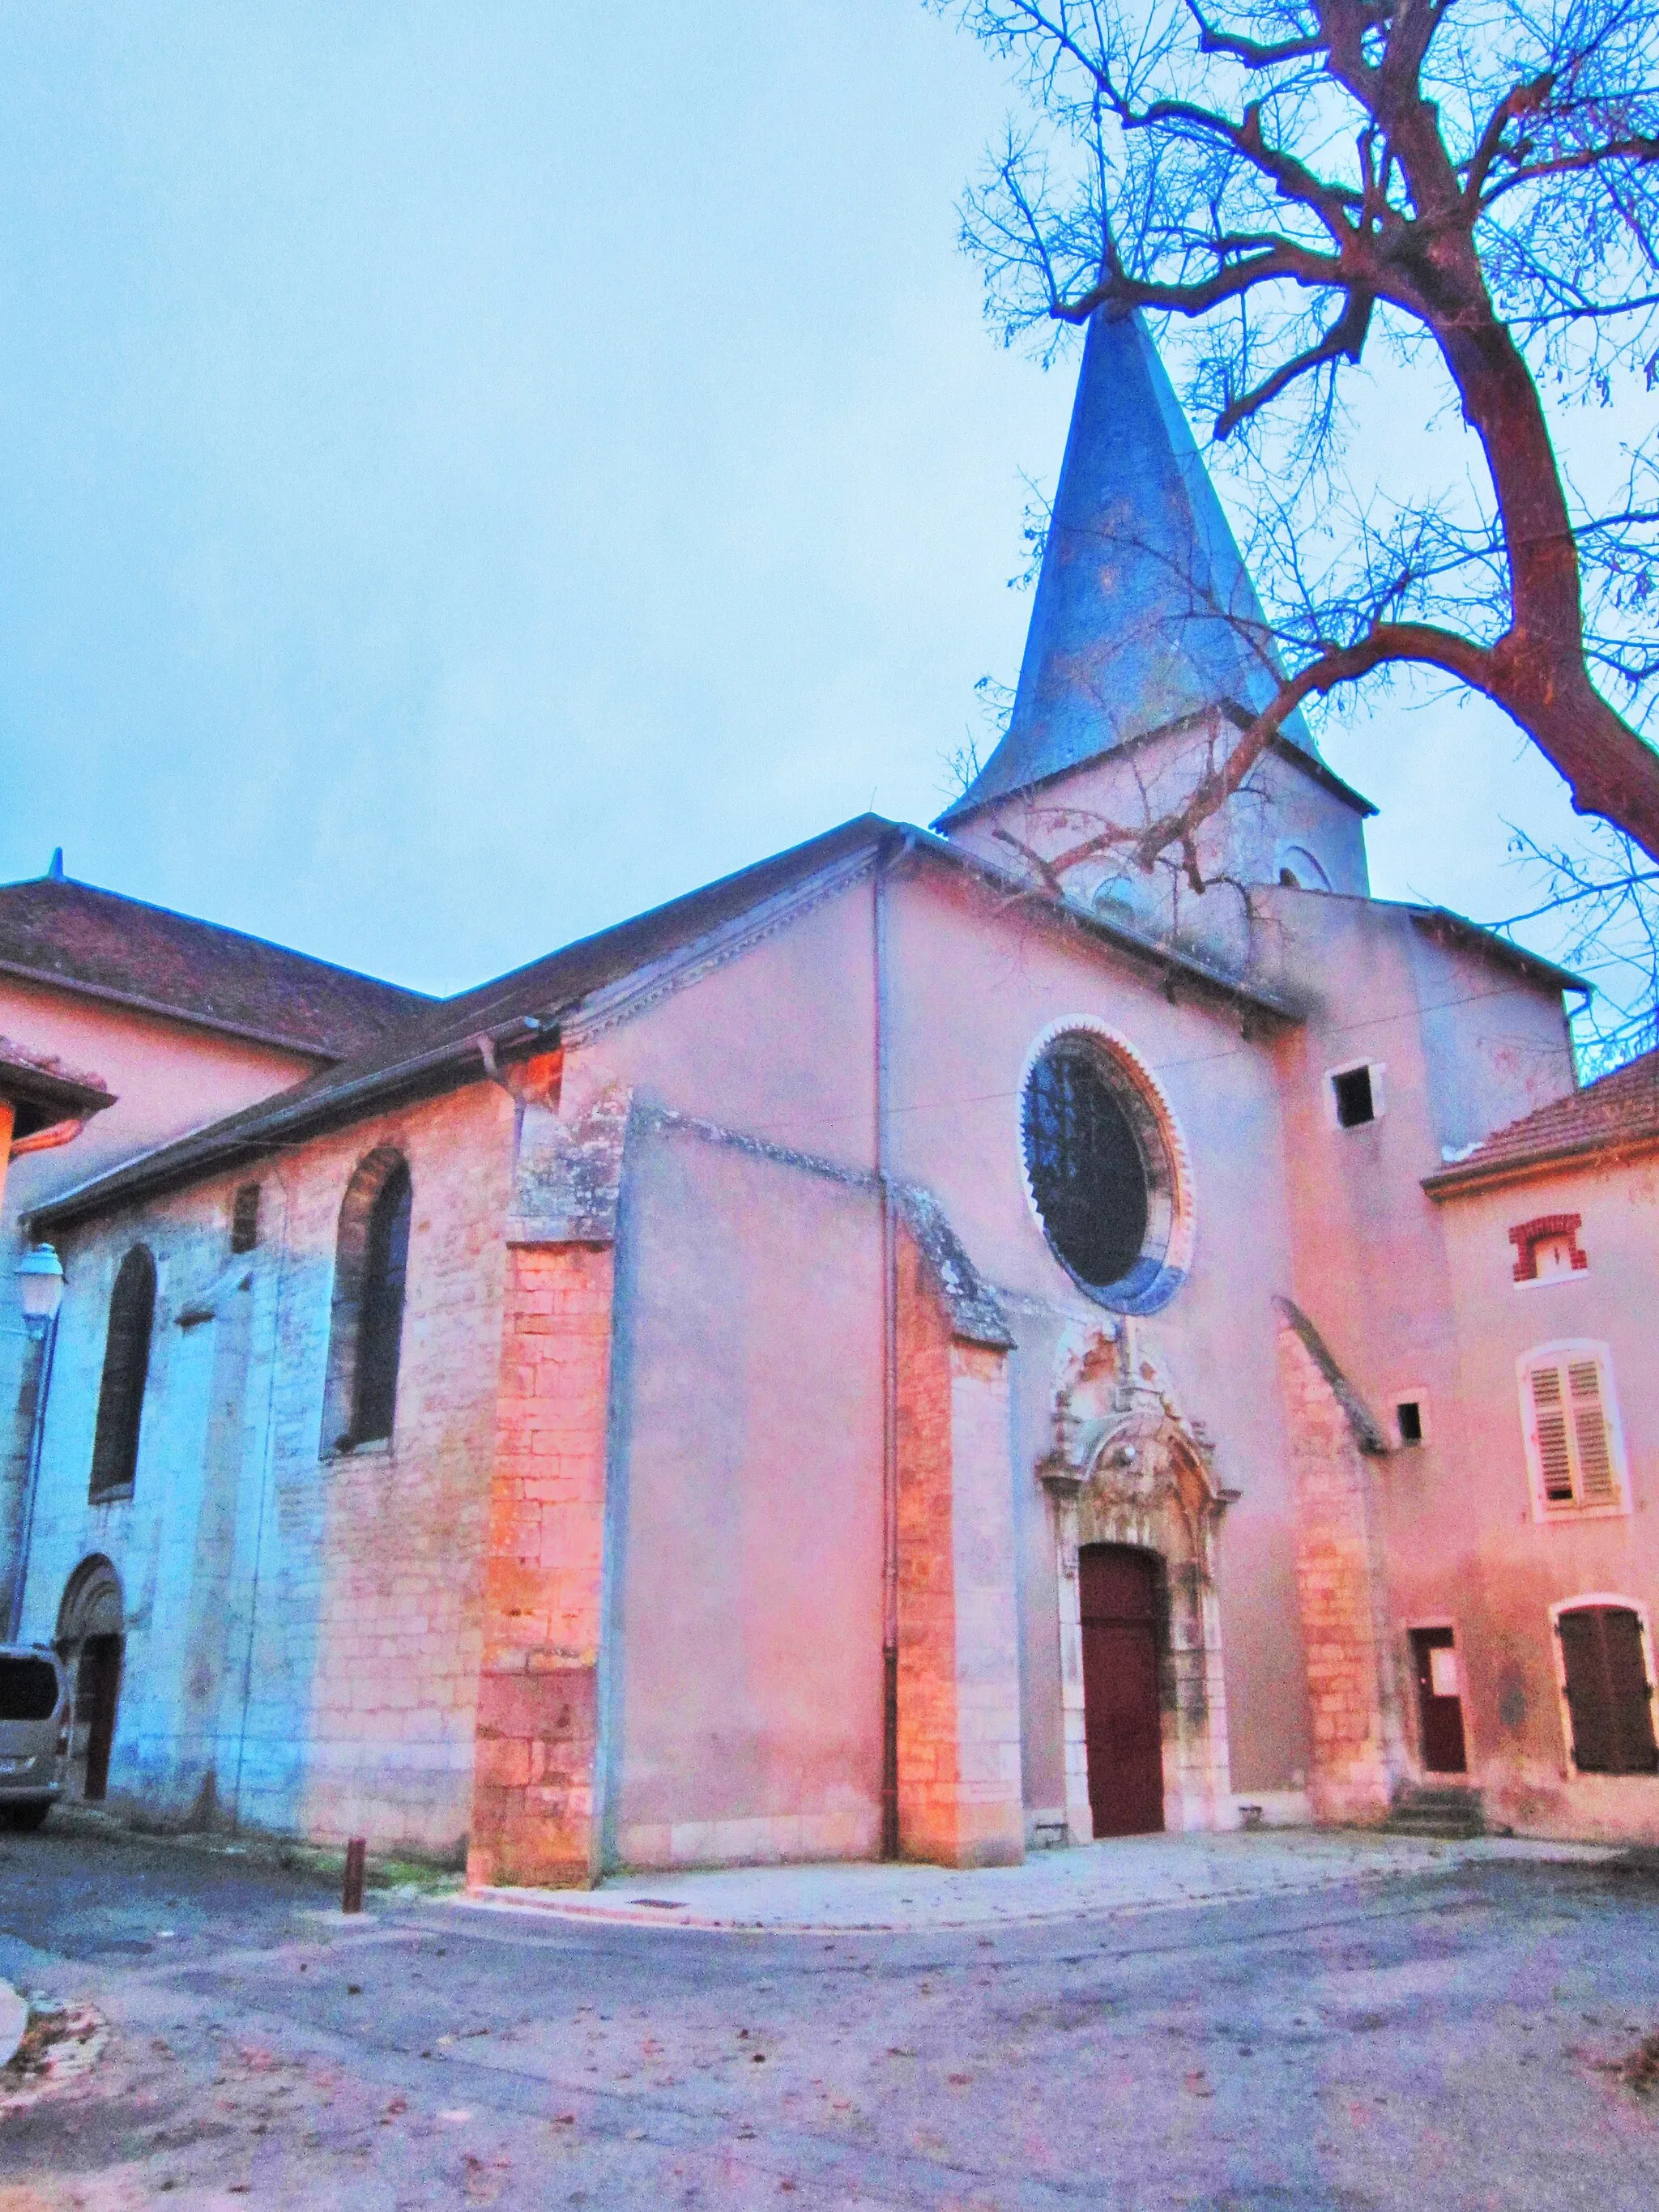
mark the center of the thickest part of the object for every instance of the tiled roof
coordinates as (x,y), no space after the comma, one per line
(55,930)
(1618,1114)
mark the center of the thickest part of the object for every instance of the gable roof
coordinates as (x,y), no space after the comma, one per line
(1144,616)
(1618,1114)
(456,1040)
(102,944)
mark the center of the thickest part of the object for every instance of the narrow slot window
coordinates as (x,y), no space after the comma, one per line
(245,1218)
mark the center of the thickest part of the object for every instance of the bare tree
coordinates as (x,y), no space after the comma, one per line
(1311,183)
(1604,905)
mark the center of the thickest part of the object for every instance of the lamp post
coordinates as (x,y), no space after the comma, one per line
(40,1288)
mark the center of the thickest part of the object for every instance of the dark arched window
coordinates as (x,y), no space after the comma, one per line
(126,1368)
(371,1263)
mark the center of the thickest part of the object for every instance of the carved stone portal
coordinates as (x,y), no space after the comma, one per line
(1126,1466)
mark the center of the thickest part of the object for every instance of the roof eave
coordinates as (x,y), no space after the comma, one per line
(1427,918)
(50,1096)
(961,809)
(185,1160)
(1467,1179)
(1156,953)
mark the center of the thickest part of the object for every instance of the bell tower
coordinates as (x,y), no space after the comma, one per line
(1148,652)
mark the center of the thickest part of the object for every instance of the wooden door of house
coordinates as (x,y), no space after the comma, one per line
(1122,1717)
(1439,1701)
(97,1691)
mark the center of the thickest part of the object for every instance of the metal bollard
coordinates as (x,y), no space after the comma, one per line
(351,1892)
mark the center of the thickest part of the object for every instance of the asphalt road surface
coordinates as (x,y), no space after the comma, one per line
(1446,2040)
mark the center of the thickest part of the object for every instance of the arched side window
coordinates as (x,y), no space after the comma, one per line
(1569,1420)
(126,1369)
(371,1261)
(1301,870)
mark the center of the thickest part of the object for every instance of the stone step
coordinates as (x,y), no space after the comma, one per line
(1434,1810)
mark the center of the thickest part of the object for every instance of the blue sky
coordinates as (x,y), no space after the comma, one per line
(471,473)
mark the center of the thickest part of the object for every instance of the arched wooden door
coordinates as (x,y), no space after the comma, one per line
(1122,1718)
(90,1640)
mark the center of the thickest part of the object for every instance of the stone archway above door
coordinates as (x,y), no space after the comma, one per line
(1127,1466)
(91,1604)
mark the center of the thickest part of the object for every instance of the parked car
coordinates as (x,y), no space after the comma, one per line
(35,1732)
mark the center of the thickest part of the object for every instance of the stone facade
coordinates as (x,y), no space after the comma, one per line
(958,1748)
(1356,1762)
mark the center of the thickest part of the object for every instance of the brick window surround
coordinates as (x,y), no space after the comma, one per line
(1528,1236)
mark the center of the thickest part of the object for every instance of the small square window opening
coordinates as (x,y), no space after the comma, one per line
(1408,1414)
(1356,1104)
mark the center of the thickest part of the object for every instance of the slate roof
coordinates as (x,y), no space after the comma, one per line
(441,1046)
(1143,616)
(1620,1113)
(104,945)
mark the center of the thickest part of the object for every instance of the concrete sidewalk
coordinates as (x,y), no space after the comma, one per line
(1126,1875)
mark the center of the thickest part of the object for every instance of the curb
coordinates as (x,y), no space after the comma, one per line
(588,1908)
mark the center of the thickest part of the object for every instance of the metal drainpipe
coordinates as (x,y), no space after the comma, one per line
(889,1810)
(32,1477)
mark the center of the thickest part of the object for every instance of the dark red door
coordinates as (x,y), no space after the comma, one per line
(1439,1701)
(1122,1719)
(97,1688)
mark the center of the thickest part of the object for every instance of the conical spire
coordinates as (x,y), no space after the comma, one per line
(1144,614)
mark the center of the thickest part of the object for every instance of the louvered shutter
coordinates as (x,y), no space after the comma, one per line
(1588,1705)
(1549,1415)
(1609,1699)
(1597,1485)
(1571,1414)
(1631,1692)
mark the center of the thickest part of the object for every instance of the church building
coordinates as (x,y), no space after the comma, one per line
(936,1345)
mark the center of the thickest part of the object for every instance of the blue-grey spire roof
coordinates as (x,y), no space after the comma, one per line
(1144,614)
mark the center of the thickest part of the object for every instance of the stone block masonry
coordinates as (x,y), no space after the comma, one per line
(533,1792)
(1357,1753)
(958,1700)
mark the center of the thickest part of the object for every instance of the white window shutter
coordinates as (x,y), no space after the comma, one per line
(1597,1482)
(1549,1421)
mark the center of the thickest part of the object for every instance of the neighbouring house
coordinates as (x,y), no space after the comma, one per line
(900,1350)
(44,1105)
(184,1022)
(1524,1605)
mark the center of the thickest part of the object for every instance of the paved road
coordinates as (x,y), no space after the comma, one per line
(1437,2041)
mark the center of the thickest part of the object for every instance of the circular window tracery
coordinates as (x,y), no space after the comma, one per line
(1106,1175)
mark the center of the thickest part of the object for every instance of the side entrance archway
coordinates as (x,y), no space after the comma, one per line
(91,1637)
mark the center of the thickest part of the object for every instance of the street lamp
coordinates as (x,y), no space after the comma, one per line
(40,1289)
